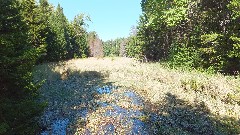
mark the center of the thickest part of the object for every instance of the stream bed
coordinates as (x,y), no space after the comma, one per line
(116,111)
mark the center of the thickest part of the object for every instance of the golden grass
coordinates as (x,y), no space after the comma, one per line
(153,82)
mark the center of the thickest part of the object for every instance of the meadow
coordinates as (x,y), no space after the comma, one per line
(182,101)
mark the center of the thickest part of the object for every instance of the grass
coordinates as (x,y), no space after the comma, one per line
(190,102)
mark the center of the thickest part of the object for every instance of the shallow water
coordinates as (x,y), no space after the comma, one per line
(106,89)
(58,127)
(127,118)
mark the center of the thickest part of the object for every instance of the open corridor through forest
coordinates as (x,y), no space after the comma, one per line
(128,67)
(123,96)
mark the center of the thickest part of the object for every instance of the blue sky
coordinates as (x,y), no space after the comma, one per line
(110,18)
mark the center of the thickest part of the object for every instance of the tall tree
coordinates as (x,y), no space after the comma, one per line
(57,50)
(18,106)
(133,47)
(192,33)
(79,46)
(44,11)
(95,45)
(34,18)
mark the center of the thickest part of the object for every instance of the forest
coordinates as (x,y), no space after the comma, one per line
(191,35)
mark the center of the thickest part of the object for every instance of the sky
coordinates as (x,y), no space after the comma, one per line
(109,18)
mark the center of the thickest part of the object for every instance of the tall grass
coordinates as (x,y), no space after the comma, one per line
(187,98)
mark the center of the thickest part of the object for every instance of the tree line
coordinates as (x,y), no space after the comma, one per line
(192,33)
(201,34)
(33,32)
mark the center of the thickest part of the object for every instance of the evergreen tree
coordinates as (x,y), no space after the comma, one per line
(18,106)
(134,48)
(79,47)
(58,23)
(36,21)
(64,40)
(44,12)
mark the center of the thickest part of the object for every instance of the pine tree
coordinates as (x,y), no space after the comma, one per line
(58,23)
(45,10)
(18,106)
(36,21)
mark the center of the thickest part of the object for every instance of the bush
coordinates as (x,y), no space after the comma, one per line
(184,56)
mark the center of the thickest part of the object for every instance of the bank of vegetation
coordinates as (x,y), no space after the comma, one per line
(186,33)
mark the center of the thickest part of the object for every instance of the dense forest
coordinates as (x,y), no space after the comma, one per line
(199,34)
(34,32)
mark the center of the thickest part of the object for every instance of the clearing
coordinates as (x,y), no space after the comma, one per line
(124,96)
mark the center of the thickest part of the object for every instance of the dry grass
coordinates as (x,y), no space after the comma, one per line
(163,90)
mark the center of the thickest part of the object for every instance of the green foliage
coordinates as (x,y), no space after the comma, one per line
(212,50)
(20,116)
(37,27)
(184,56)
(64,39)
(175,13)
(78,38)
(191,33)
(234,6)
(113,47)
(58,24)
(18,55)
(235,52)
(133,48)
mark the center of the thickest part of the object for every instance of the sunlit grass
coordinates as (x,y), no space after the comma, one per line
(165,90)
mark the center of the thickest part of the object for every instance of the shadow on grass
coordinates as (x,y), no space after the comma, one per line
(71,95)
(176,116)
